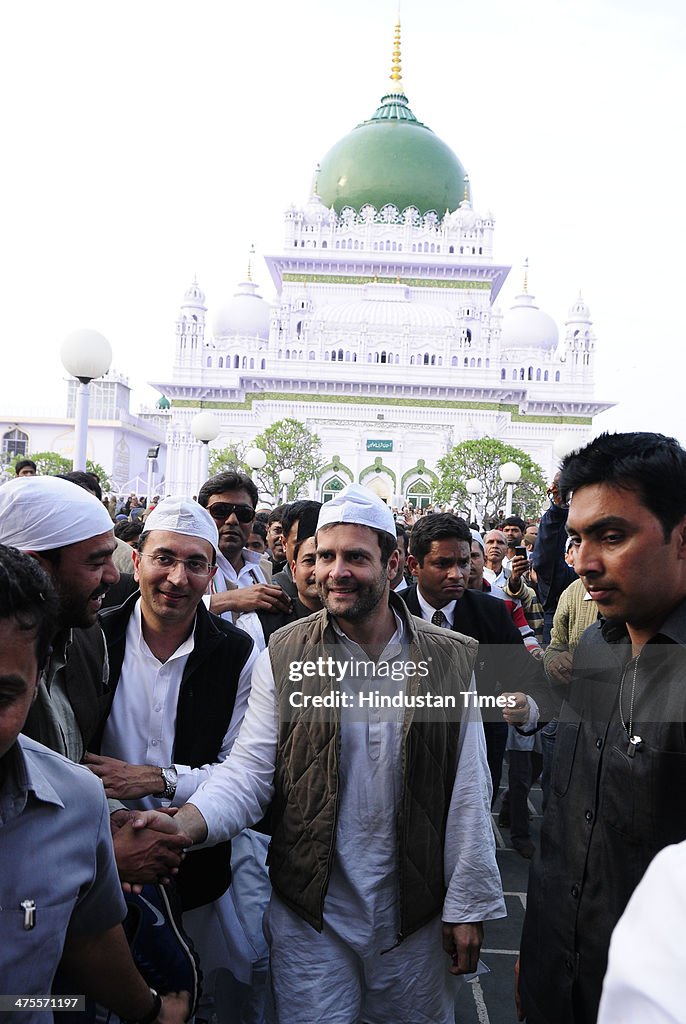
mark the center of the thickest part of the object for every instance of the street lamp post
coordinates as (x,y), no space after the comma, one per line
(85,354)
(257,460)
(474,488)
(286,478)
(205,427)
(510,473)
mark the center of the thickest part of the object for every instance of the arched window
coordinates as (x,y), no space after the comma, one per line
(433,360)
(411,360)
(324,245)
(376,357)
(235,361)
(331,488)
(340,355)
(244,363)
(557,376)
(514,375)
(299,329)
(530,374)
(451,249)
(545,376)
(347,356)
(312,356)
(252,364)
(263,365)
(221,362)
(521,373)
(426,359)
(418,494)
(15,442)
(209,362)
(288,353)
(466,361)
(538,373)
(503,373)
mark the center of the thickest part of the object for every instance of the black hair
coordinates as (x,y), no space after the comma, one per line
(28,596)
(229,480)
(439,526)
(514,521)
(22,464)
(651,465)
(89,481)
(276,515)
(305,514)
(401,531)
(260,529)
(127,531)
(262,517)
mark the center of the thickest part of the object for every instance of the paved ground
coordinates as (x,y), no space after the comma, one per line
(489,999)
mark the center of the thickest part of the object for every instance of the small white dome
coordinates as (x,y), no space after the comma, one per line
(579,311)
(247,314)
(194,296)
(527,326)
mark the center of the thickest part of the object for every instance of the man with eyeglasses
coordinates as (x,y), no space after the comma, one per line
(239,584)
(179,680)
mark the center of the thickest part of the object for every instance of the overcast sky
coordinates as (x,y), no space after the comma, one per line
(147,141)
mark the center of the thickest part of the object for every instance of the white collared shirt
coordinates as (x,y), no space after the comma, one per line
(141,725)
(428,612)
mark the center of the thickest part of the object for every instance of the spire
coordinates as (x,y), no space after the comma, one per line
(526,276)
(396,71)
(315,181)
(250,256)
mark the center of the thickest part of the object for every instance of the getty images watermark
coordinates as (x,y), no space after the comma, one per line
(366,685)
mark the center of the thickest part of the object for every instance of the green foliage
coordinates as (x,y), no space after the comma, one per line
(481,460)
(231,457)
(53,464)
(289,444)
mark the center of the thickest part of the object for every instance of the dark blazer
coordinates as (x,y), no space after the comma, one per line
(206,702)
(503,662)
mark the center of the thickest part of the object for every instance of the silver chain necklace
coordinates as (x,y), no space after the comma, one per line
(634,741)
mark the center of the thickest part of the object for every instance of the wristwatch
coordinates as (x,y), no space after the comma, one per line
(152,1014)
(170,778)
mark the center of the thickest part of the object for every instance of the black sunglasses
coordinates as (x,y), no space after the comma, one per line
(221,510)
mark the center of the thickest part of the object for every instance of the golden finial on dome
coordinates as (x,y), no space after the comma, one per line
(396,71)
(466,188)
(315,181)
(526,276)
(250,256)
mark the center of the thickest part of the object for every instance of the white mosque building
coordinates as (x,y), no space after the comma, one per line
(384,338)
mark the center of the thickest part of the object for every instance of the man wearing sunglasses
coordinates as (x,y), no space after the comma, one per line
(239,584)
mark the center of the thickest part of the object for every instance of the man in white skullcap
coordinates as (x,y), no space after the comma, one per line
(179,685)
(359,734)
(69,532)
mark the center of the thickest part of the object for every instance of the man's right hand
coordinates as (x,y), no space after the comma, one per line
(175,1008)
(149,854)
(263,597)
(559,668)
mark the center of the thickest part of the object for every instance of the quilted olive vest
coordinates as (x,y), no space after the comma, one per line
(305,803)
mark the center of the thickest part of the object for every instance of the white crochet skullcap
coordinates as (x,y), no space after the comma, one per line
(359,506)
(41,513)
(182,515)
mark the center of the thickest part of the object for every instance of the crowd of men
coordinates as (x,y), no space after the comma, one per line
(264,748)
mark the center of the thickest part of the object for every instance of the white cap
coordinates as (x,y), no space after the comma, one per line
(359,506)
(476,536)
(181,515)
(41,513)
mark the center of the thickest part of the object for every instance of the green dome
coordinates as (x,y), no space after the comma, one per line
(392,158)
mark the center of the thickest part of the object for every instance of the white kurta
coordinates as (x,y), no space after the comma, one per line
(344,972)
(646,975)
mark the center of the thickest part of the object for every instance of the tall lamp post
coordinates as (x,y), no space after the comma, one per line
(205,427)
(510,473)
(257,460)
(85,354)
(474,488)
(286,478)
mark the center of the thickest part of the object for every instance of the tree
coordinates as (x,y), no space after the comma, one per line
(481,460)
(231,457)
(288,444)
(54,464)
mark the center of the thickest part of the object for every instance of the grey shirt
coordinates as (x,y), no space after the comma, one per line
(56,850)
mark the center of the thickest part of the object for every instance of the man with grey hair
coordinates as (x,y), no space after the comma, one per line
(382,846)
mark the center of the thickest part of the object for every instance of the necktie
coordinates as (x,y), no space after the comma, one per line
(439,619)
